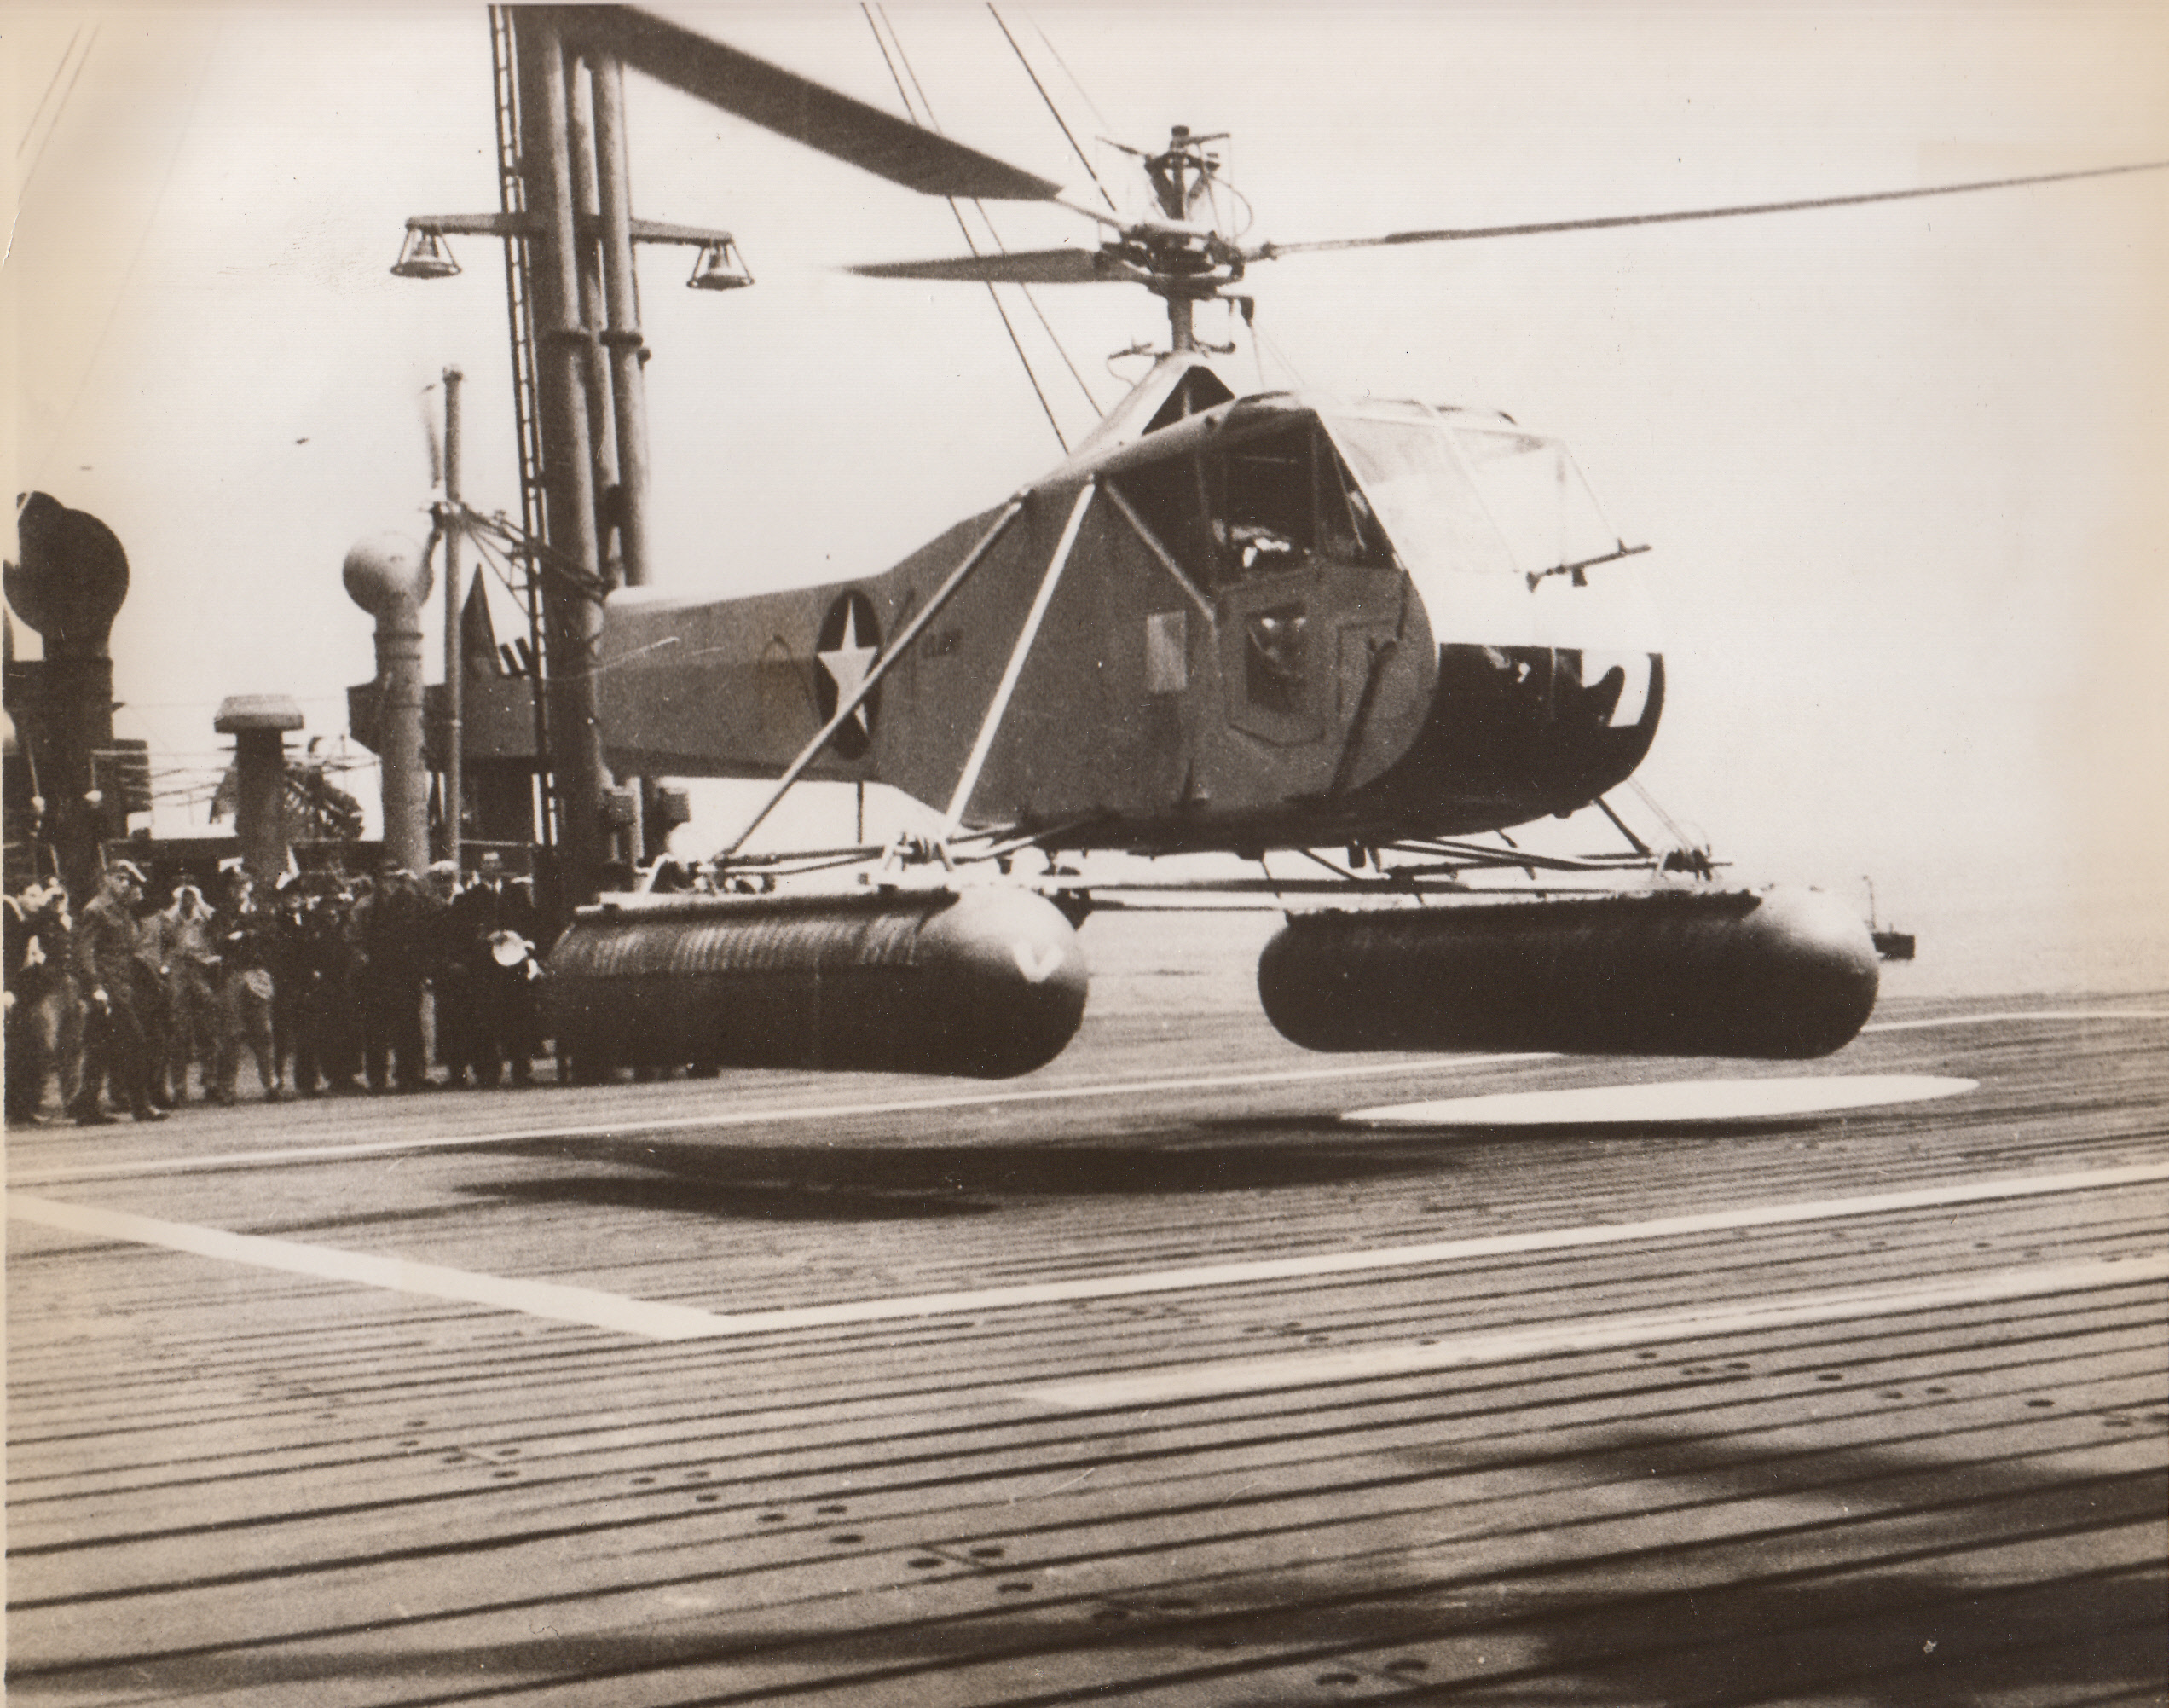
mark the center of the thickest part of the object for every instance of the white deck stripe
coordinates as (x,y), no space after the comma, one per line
(730,1118)
(1307,1369)
(1655,1102)
(306,1155)
(1446,1251)
(530,1298)
(681,1322)
(2036,1014)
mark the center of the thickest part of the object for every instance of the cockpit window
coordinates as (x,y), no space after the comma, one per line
(1348,527)
(1241,500)
(1488,499)
(1423,495)
(1265,502)
(1263,505)
(1537,497)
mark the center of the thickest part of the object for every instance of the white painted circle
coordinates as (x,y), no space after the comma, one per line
(1671,1100)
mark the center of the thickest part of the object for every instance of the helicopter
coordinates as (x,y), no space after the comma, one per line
(1222,623)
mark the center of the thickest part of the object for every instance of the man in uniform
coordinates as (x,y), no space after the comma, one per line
(153,994)
(114,1046)
(289,979)
(394,925)
(513,1005)
(191,984)
(451,975)
(316,983)
(462,1032)
(246,935)
(45,1014)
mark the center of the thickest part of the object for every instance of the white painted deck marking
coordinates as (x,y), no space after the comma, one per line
(2031,1014)
(1668,1100)
(632,1126)
(531,1298)
(1309,1370)
(683,1323)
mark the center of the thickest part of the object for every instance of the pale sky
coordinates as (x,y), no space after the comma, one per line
(1901,466)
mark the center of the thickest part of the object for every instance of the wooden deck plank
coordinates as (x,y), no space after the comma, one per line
(253,1487)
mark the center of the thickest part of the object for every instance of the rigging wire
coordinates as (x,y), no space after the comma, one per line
(52,83)
(1052,337)
(1672,825)
(1273,349)
(1052,107)
(987,219)
(24,174)
(498,560)
(958,213)
(1032,302)
(1084,94)
(928,122)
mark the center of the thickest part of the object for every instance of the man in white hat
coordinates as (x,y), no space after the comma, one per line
(192,962)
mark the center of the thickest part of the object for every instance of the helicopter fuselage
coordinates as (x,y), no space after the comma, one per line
(1271,621)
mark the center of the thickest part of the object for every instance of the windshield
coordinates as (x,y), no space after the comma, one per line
(1537,497)
(1507,501)
(1422,494)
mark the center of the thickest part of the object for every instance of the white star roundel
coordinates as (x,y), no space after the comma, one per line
(848,643)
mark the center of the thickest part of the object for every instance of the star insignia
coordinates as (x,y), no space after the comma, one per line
(848,663)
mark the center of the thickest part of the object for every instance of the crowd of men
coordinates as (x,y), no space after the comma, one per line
(327,986)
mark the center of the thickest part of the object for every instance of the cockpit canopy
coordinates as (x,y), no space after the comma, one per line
(1377,485)
(1475,493)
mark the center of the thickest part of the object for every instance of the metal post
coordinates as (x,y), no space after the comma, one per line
(602,447)
(573,607)
(580,132)
(399,738)
(511,70)
(259,723)
(388,577)
(1180,323)
(622,335)
(260,802)
(79,686)
(622,338)
(455,651)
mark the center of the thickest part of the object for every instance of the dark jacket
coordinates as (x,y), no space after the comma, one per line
(105,947)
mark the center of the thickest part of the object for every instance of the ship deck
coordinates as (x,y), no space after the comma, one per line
(1148,1379)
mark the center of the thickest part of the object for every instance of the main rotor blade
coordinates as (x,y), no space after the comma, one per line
(1021,267)
(798,107)
(1267,252)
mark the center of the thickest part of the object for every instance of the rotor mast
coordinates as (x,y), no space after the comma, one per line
(1181,336)
(1179,175)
